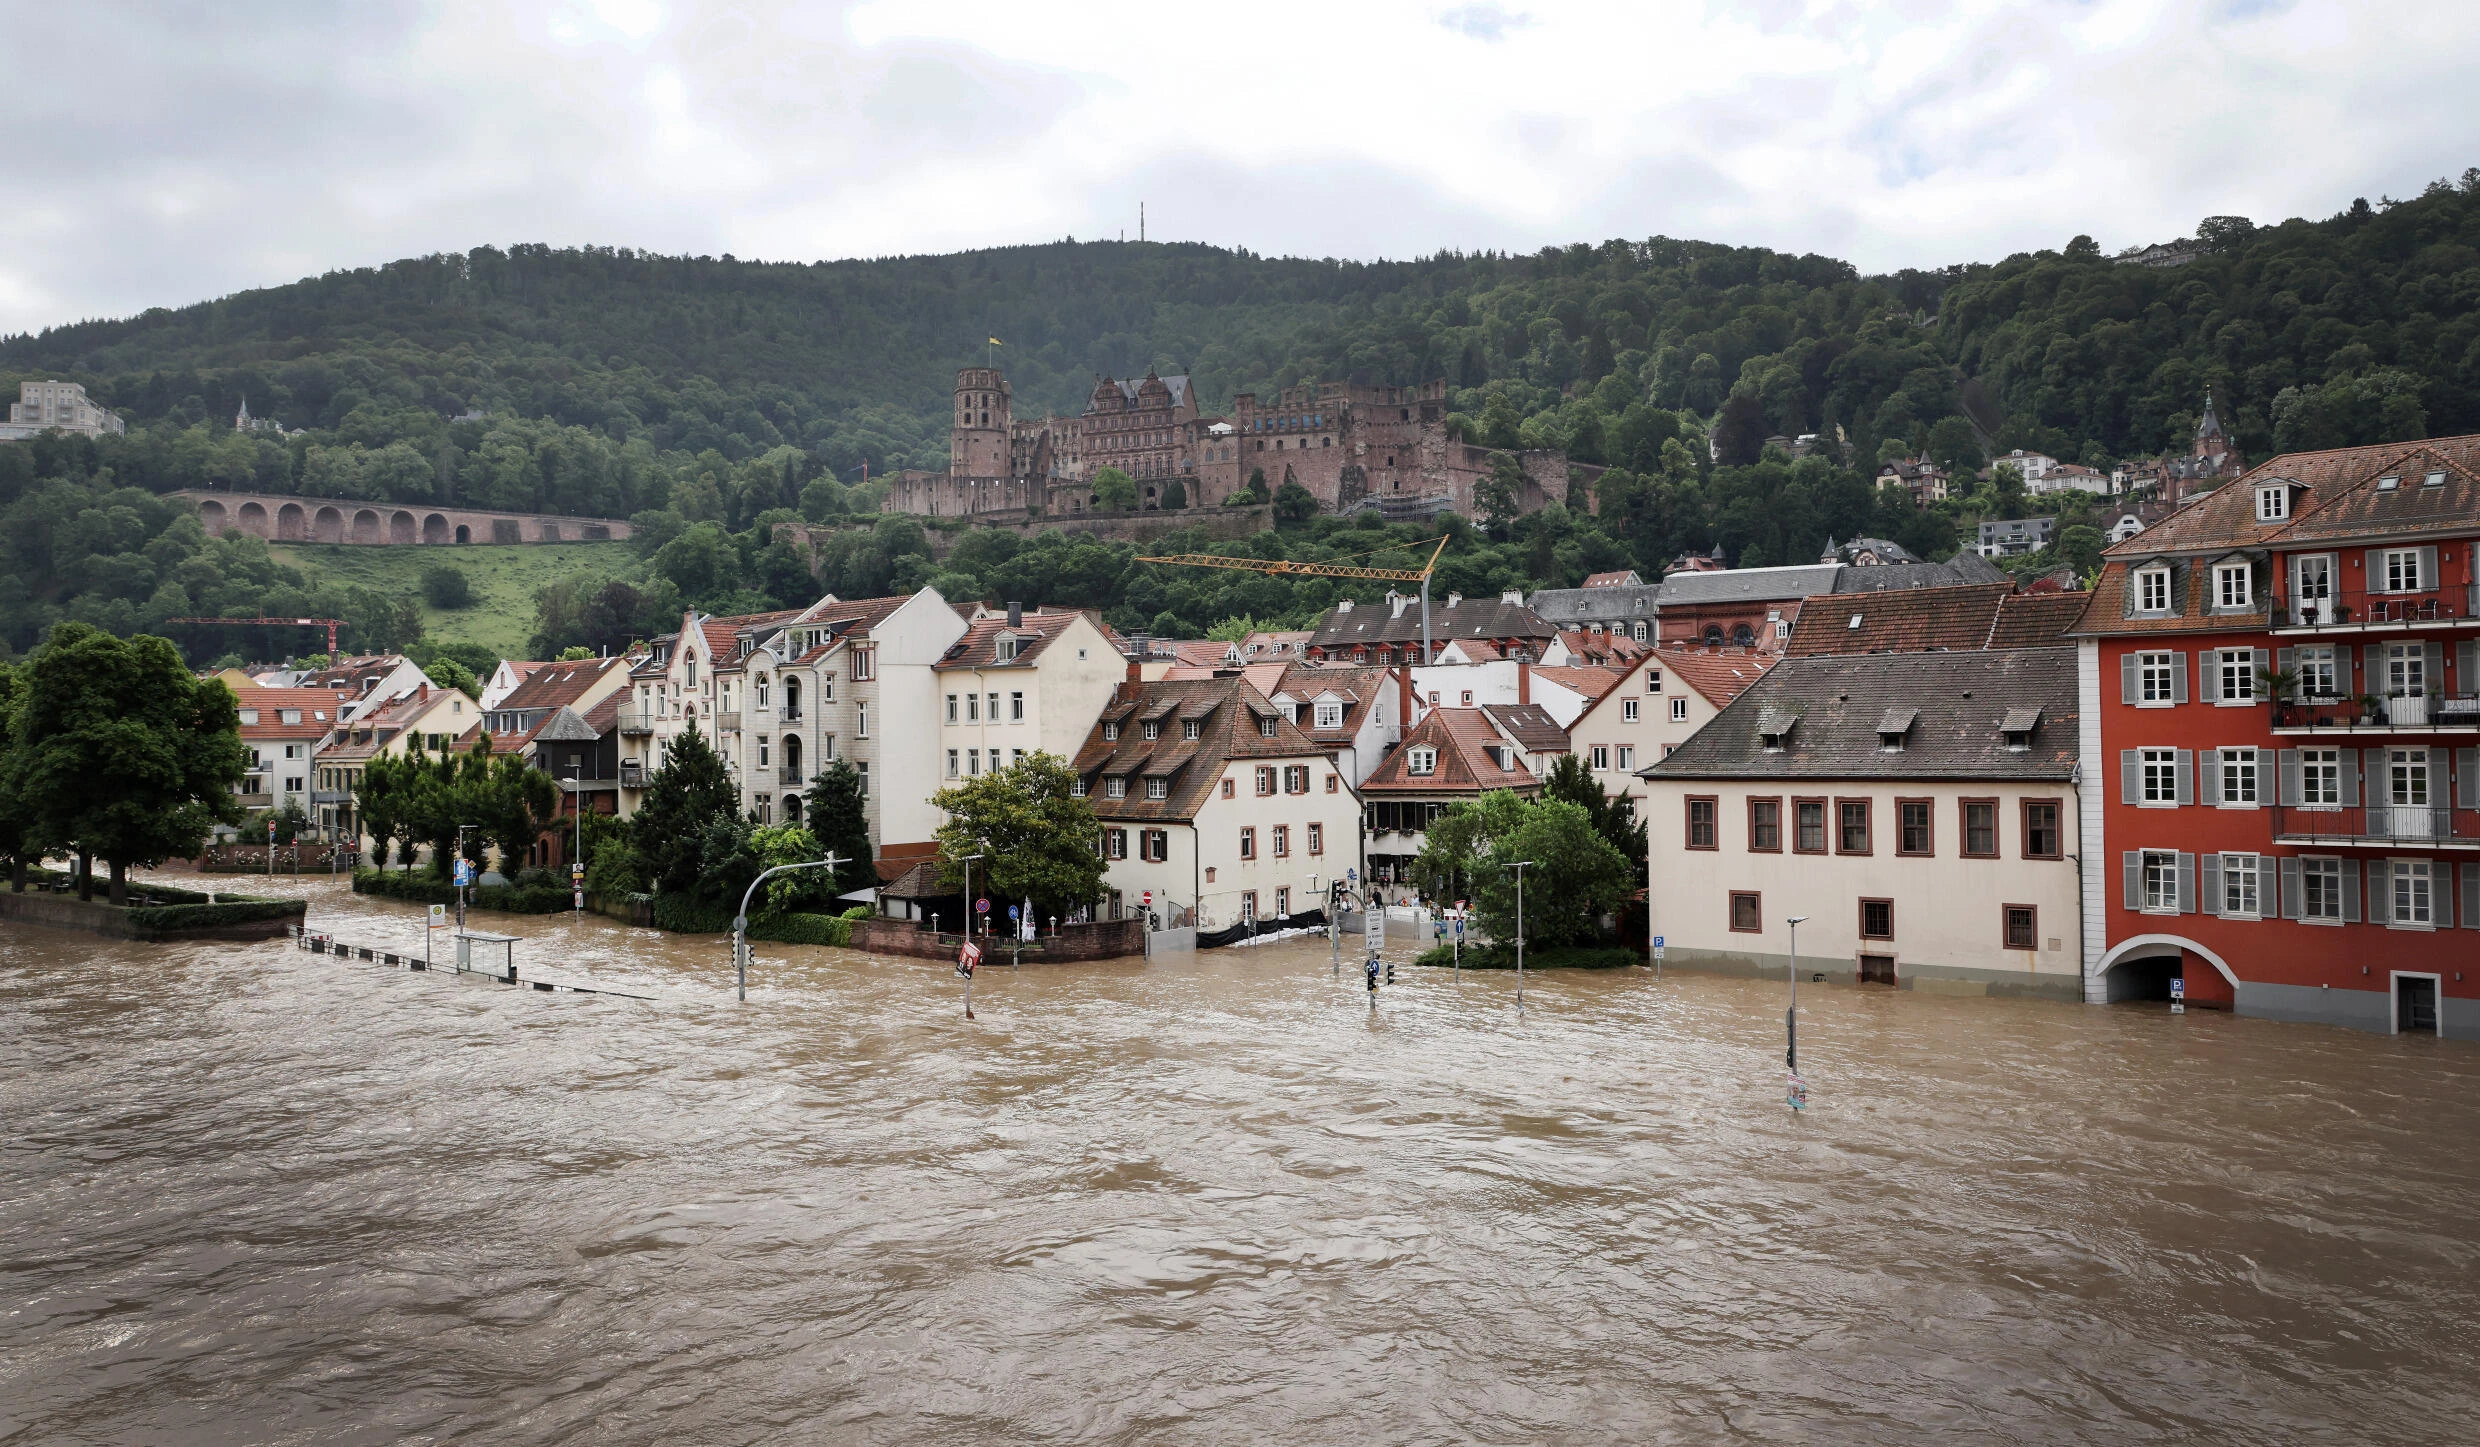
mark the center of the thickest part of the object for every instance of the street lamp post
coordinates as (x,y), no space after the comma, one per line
(967,862)
(740,922)
(460,854)
(1519,867)
(577,850)
(1791,1017)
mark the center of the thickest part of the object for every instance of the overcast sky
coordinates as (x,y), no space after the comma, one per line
(164,154)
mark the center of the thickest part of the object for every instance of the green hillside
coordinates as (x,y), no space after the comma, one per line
(503,579)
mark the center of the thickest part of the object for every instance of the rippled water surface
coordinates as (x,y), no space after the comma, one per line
(253,1194)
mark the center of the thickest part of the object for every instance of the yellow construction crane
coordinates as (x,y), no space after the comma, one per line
(1342,568)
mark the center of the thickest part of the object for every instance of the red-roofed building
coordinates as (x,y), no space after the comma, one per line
(283,729)
(1452,755)
(1653,707)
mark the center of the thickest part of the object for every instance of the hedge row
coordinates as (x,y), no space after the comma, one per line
(1562,957)
(682,915)
(208,916)
(429,889)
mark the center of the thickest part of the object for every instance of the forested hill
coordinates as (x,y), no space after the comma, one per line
(707,394)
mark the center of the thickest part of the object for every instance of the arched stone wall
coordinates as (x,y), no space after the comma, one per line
(434,529)
(401,528)
(254,520)
(214,515)
(366,526)
(289,519)
(289,522)
(327,525)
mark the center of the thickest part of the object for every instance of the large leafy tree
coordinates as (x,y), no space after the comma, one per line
(1035,835)
(382,800)
(1613,815)
(518,802)
(669,830)
(1114,489)
(13,831)
(1575,877)
(120,752)
(839,820)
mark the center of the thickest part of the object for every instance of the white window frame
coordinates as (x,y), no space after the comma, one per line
(2406,670)
(2320,779)
(1115,787)
(2273,504)
(2160,875)
(2234,587)
(1679,710)
(2157,680)
(1627,710)
(952,757)
(1601,758)
(2318,671)
(2411,901)
(2238,667)
(1158,788)
(2327,871)
(1653,680)
(1627,758)
(1420,763)
(2242,886)
(951,708)
(1329,714)
(2399,563)
(2158,766)
(1016,706)
(2242,775)
(2149,582)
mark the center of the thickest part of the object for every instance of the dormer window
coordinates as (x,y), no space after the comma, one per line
(2018,727)
(1329,714)
(2233,586)
(1077,789)
(1421,762)
(1110,733)
(1774,726)
(1190,728)
(1153,730)
(1157,788)
(1115,788)
(2153,589)
(1265,726)
(1007,648)
(2273,503)
(1894,727)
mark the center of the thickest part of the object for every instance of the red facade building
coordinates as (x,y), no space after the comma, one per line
(2281,745)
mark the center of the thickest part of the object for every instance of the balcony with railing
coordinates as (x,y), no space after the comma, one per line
(632,774)
(2430,713)
(2358,610)
(790,776)
(637,723)
(2388,826)
(728,722)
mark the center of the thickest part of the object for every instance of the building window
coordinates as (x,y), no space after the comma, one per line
(1852,826)
(1679,710)
(1265,780)
(861,720)
(951,763)
(1627,758)
(1329,714)
(2406,670)
(1115,787)
(1158,788)
(1077,788)
(2043,838)
(2316,673)
(1016,707)
(1110,733)
(1601,758)
(1980,828)
(1701,811)
(2320,779)
(2161,881)
(2411,894)
(1653,680)
(1227,789)
(2238,777)
(1296,778)
(1248,904)
(951,708)
(1119,844)
(2231,586)
(2238,666)
(973,761)
(1747,914)
(762,761)
(1154,845)
(1421,762)
(2239,895)
(2160,772)
(1191,728)
(2152,590)
(1915,827)
(2156,678)
(1765,826)
(1334,784)
(2402,571)
(1877,919)
(1808,826)
(1150,729)
(2273,504)
(1468,698)
(1627,710)
(1317,838)
(1248,844)
(1282,841)
(2320,882)
(864,663)
(2023,930)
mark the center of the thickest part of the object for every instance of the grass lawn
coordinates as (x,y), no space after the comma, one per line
(504,580)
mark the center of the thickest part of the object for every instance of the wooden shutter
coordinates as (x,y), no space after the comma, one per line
(2130,776)
(2132,894)
(2294,898)
(2211,869)
(2350,891)
(2178,678)
(2187,883)
(2471,896)
(2129,688)
(2380,891)
(2286,776)
(2185,775)
(2209,776)
(2428,567)
(2346,763)
(2209,675)
(2467,778)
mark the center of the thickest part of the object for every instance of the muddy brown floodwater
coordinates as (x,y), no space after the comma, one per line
(250,1194)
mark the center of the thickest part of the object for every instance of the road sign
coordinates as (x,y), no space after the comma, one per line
(464,873)
(271,829)
(1374,922)
(1657,942)
(981,906)
(1460,906)
(577,870)
(1012,912)
(1353,874)
(967,958)
(439,916)
(2178,988)
(1149,898)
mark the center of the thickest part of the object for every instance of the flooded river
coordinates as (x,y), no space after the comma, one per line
(249,1194)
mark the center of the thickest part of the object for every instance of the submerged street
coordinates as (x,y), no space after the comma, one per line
(250,1193)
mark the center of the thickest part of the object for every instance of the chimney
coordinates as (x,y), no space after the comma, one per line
(1455,600)
(1396,601)
(1343,605)
(1524,682)
(1513,595)
(1016,615)
(1403,698)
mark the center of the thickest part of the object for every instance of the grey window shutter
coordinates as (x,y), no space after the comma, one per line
(2294,900)
(2130,777)
(2264,665)
(2467,666)
(2127,593)
(2187,883)
(2180,573)
(2185,773)
(2380,891)
(2133,897)
(2347,765)
(2128,689)
(2209,780)
(2209,676)
(2375,563)
(2440,788)
(2428,567)
(2467,778)
(2286,775)
(2212,870)
(2286,660)
(2441,890)
(2471,896)
(2350,891)
(2178,678)
(2433,668)
(2373,668)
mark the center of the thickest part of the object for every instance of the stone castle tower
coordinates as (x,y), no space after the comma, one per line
(978,444)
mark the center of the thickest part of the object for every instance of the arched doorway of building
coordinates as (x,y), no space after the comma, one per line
(792,808)
(792,761)
(464,534)
(792,711)
(2142,968)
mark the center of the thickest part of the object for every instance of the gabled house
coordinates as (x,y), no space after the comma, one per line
(283,729)
(1355,714)
(1655,707)
(438,718)
(1452,755)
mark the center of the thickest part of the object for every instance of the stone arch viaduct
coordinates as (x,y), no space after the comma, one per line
(282,519)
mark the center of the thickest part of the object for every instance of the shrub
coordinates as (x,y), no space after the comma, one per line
(205,916)
(1560,957)
(447,587)
(427,889)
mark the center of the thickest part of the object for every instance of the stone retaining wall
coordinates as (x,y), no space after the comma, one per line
(1107,940)
(67,911)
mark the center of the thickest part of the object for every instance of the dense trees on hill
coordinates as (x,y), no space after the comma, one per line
(707,399)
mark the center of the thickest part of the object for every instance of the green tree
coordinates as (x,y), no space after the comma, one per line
(1114,490)
(120,752)
(1294,504)
(447,587)
(1035,835)
(2079,547)
(1175,495)
(1233,630)
(1575,879)
(839,819)
(690,791)
(1458,843)
(13,835)
(448,673)
(381,800)
(1499,498)
(517,802)
(1613,815)
(1954,446)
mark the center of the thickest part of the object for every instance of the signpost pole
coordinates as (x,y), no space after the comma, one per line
(577,850)
(740,922)
(1791,1021)
(1519,867)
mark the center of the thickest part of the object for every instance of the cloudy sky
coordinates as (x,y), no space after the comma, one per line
(162,154)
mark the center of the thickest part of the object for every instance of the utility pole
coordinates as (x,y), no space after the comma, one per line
(1791,1018)
(740,922)
(577,850)
(1519,867)
(459,863)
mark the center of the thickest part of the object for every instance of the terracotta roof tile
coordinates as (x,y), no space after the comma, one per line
(1463,738)
(1718,675)
(1917,620)
(1227,713)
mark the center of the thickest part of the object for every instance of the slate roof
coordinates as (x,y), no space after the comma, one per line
(979,647)
(2352,510)
(1463,738)
(2226,517)
(1361,688)
(1483,618)
(1598,602)
(1965,567)
(1912,621)
(1748,585)
(1623,578)
(552,684)
(384,726)
(1227,712)
(1962,700)
(2036,620)
(1530,725)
